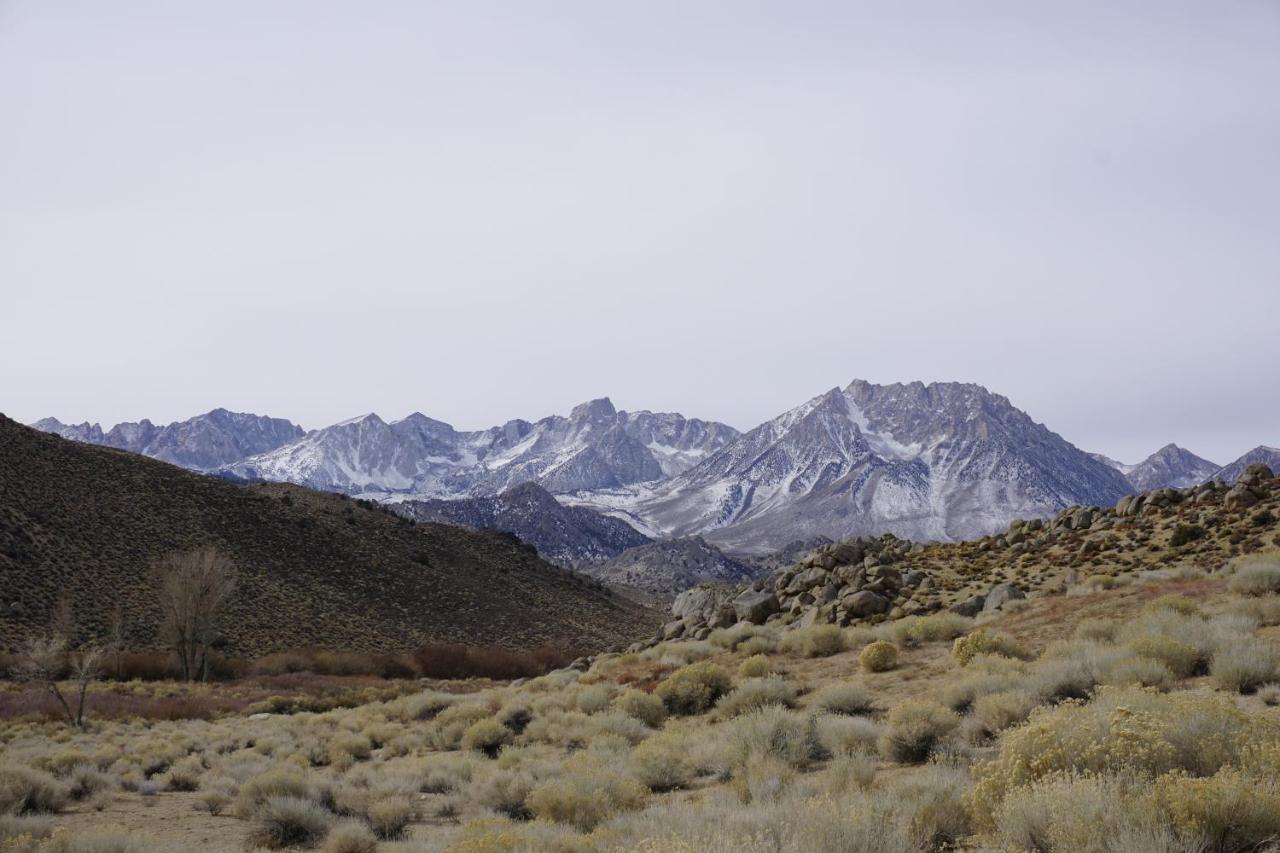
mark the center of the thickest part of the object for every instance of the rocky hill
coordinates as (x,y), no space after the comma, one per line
(942,461)
(566,535)
(670,566)
(1170,467)
(871,579)
(314,569)
(595,447)
(202,443)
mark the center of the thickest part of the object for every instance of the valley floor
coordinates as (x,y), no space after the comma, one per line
(1030,729)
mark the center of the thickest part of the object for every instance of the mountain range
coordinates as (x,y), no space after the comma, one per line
(595,447)
(940,461)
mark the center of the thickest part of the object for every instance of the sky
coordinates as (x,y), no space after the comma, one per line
(485,211)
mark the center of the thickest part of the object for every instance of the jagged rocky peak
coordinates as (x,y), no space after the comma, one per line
(202,443)
(596,411)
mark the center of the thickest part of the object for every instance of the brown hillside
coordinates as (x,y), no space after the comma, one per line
(314,569)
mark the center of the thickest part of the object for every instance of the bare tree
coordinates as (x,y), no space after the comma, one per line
(194,589)
(46,658)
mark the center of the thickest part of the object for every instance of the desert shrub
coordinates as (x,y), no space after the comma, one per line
(389,816)
(662,764)
(1143,671)
(1259,575)
(349,744)
(1097,630)
(917,630)
(450,724)
(1228,810)
(1179,604)
(1184,534)
(424,706)
(775,733)
(86,780)
(763,644)
(844,699)
(1081,813)
(684,652)
(854,771)
(1181,659)
(914,730)
(1122,730)
(487,736)
(185,775)
(880,656)
(585,795)
(755,693)
(960,695)
(290,822)
(350,836)
(814,641)
(594,699)
(516,717)
(25,790)
(733,637)
(693,689)
(214,800)
(645,707)
(22,827)
(981,642)
(996,712)
(504,792)
(756,666)
(1244,667)
(848,735)
(1263,610)
(762,779)
(1269,694)
(283,784)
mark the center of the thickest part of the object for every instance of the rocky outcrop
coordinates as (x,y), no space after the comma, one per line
(873,579)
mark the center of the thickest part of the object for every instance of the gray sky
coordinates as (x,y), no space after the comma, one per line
(494,210)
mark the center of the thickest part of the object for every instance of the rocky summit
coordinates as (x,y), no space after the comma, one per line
(203,443)
(868,580)
(1169,467)
(941,461)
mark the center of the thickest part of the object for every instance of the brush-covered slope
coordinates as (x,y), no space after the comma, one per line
(313,569)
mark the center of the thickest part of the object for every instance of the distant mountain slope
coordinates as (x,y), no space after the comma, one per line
(596,447)
(202,443)
(1170,467)
(314,569)
(562,534)
(940,461)
(671,566)
(1269,456)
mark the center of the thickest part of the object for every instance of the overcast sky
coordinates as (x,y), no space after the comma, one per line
(485,211)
